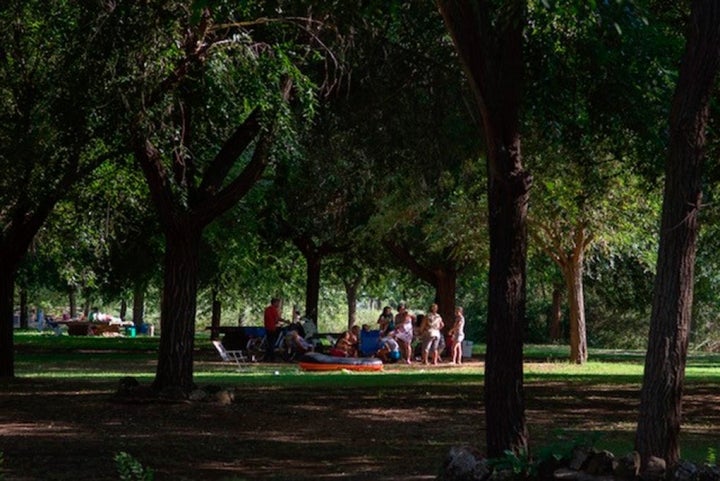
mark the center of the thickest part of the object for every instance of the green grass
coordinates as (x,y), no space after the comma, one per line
(76,357)
(97,363)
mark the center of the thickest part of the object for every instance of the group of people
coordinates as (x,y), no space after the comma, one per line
(398,333)
(405,327)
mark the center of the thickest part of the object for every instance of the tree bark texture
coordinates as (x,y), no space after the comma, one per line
(14,244)
(23,308)
(351,290)
(573,273)
(489,43)
(555,330)
(72,301)
(138,309)
(661,395)
(177,310)
(216,314)
(445,288)
(123,310)
(312,285)
(183,225)
(7,353)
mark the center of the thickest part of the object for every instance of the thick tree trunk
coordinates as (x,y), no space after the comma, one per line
(312,285)
(555,330)
(504,397)
(86,306)
(445,286)
(178,310)
(72,301)
(573,273)
(489,43)
(138,309)
(23,308)
(351,290)
(216,314)
(123,310)
(661,394)
(7,295)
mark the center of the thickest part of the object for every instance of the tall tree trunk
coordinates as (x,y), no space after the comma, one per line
(23,308)
(661,394)
(351,290)
(445,286)
(123,310)
(489,43)
(573,273)
(570,258)
(138,309)
(86,306)
(504,397)
(72,301)
(216,314)
(7,295)
(312,285)
(178,309)
(555,331)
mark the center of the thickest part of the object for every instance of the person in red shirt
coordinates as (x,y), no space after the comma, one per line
(271,320)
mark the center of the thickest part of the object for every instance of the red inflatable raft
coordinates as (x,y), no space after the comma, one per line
(314,361)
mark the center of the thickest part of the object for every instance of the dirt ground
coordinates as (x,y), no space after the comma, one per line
(59,430)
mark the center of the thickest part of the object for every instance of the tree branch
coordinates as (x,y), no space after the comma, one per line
(232,149)
(405,257)
(214,205)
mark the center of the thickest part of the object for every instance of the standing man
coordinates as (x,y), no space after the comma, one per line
(271,321)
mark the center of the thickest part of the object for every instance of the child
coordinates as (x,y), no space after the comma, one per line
(458,335)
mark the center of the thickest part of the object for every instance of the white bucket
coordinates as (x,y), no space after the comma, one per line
(467,347)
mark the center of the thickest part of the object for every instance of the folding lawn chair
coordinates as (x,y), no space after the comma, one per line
(235,356)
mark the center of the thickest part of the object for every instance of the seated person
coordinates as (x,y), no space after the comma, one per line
(344,347)
(355,337)
(389,352)
(298,343)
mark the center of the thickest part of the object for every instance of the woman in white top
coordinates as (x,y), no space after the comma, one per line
(431,334)
(404,332)
(458,335)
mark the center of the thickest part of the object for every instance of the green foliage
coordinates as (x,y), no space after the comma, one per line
(565,445)
(519,464)
(524,466)
(130,468)
(711,457)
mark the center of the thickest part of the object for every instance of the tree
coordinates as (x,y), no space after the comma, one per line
(424,156)
(321,200)
(204,104)
(488,39)
(661,394)
(587,58)
(51,72)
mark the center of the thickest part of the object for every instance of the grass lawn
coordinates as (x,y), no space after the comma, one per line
(61,420)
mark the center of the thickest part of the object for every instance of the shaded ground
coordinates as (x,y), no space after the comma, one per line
(59,430)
